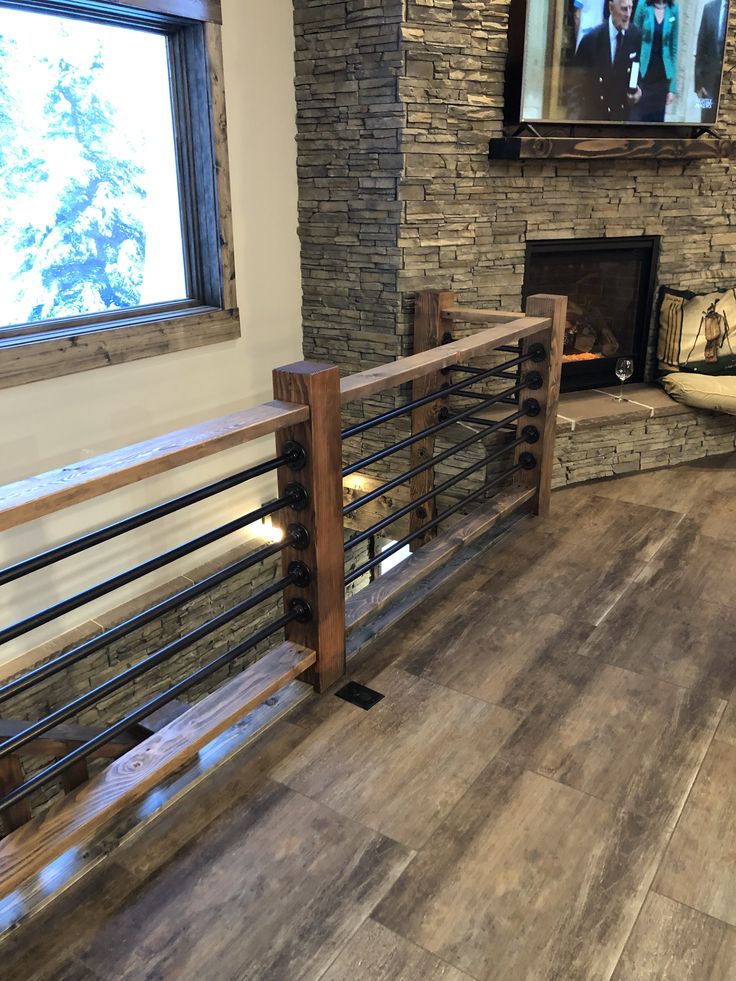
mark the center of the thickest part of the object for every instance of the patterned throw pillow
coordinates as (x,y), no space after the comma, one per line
(695,332)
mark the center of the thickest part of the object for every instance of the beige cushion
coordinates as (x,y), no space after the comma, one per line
(695,332)
(714,392)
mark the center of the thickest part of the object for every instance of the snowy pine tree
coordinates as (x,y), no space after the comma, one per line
(89,257)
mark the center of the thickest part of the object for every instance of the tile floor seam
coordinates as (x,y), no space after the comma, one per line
(349,940)
(694,909)
(688,796)
(346,817)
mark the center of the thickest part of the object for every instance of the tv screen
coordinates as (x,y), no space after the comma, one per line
(623,61)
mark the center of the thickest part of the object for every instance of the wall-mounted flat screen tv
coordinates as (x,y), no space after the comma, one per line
(619,61)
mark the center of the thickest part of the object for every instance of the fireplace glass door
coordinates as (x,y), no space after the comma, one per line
(609,284)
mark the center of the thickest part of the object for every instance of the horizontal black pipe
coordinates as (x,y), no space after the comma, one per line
(430,431)
(109,585)
(13,572)
(119,681)
(483,373)
(433,461)
(447,513)
(76,654)
(109,734)
(490,423)
(469,370)
(430,494)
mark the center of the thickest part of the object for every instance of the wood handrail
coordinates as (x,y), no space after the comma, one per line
(374,380)
(471,315)
(50,492)
(74,819)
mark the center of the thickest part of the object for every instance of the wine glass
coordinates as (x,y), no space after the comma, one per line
(624,370)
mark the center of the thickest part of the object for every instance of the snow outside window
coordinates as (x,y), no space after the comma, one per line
(90,210)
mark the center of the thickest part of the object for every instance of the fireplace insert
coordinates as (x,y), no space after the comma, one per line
(609,283)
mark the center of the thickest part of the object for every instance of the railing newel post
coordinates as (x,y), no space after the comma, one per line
(552,339)
(317,385)
(429,333)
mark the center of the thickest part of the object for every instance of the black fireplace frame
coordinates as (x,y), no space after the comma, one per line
(600,373)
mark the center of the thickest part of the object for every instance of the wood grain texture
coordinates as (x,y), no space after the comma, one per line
(12,776)
(472,315)
(394,373)
(400,767)
(207,10)
(553,308)
(373,598)
(359,484)
(671,942)
(526,878)
(213,43)
(73,819)
(295,862)
(428,333)
(37,357)
(49,492)
(571,148)
(698,869)
(317,386)
(376,953)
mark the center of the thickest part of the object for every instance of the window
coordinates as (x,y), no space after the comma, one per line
(114,225)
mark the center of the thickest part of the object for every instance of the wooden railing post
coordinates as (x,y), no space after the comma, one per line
(317,386)
(555,308)
(12,776)
(429,330)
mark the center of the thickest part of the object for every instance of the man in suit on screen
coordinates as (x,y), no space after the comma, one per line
(709,57)
(604,72)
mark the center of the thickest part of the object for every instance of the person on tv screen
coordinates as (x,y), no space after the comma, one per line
(588,15)
(659,23)
(709,57)
(605,68)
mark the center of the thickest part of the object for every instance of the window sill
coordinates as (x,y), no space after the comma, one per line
(42,356)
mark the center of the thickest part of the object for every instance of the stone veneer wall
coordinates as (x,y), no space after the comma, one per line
(350,120)
(395,111)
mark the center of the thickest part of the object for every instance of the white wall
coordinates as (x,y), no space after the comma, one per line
(52,423)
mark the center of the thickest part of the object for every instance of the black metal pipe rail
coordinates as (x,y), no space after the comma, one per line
(293,457)
(296,536)
(535,353)
(530,408)
(299,611)
(530,434)
(533,381)
(483,396)
(294,497)
(298,574)
(447,513)
(470,370)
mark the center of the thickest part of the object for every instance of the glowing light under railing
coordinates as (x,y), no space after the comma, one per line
(270,532)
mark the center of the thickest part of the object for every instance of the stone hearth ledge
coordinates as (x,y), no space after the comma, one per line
(598,436)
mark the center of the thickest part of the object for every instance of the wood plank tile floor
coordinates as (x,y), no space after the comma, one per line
(547,792)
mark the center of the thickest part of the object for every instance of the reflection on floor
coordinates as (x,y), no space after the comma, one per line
(547,791)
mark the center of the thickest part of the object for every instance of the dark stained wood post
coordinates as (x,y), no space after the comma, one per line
(12,776)
(555,308)
(318,386)
(429,329)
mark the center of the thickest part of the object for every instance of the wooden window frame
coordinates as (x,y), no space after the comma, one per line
(33,352)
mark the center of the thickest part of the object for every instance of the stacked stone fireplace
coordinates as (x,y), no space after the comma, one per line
(397,101)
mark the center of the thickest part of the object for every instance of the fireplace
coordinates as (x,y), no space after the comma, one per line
(610,286)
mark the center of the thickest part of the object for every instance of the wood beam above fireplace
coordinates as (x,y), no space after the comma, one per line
(571,148)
